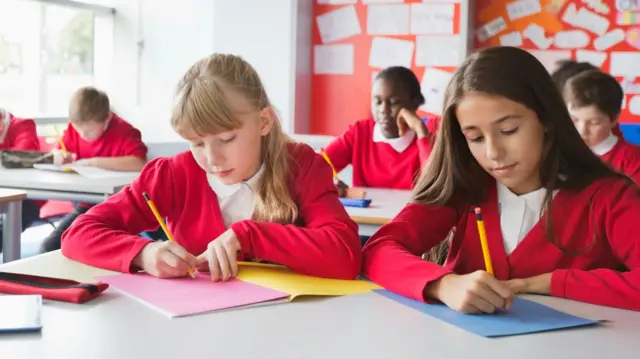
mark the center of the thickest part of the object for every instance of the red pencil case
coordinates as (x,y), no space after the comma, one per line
(50,288)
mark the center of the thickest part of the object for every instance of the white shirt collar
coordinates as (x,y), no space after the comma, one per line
(6,119)
(605,146)
(399,144)
(225,190)
(533,200)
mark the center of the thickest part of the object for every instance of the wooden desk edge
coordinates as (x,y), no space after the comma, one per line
(370,220)
(8,195)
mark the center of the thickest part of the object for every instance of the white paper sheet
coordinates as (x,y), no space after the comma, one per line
(608,40)
(491,29)
(595,58)
(434,84)
(550,58)
(585,19)
(571,39)
(625,64)
(513,38)
(337,2)
(630,87)
(366,2)
(86,171)
(388,19)
(627,5)
(438,50)
(536,34)
(338,24)
(523,8)
(387,52)
(598,6)
(432,19)
(333,59)
(634,105)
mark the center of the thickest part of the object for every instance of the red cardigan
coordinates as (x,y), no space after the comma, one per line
(323,243)
(20,135)
(377,164)
(607,272)
(625,157)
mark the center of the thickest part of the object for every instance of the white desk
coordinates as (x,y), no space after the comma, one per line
(362,326)
(385,205)
(41,184)
(11,211)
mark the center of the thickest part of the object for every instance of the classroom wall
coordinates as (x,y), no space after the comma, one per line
(273,38)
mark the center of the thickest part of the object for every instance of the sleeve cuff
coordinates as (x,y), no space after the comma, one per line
(432,278)
(138,245)
(558,283)
(243,234)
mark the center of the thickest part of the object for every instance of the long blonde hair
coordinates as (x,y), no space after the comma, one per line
(201,108)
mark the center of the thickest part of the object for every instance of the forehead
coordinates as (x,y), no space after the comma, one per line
(482,110)
(585,112)
(387,88)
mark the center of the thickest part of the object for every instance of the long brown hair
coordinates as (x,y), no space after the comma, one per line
(452,176)
(200,108)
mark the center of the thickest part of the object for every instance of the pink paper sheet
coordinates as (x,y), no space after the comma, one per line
(187,296)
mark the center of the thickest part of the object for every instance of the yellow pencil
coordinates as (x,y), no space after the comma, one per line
(162,225)
(64,148)
(483,241)
(326,158)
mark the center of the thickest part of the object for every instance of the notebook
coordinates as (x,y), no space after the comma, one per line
(180,297)
(524,317)
(20,313)
(85,171)
(283,279)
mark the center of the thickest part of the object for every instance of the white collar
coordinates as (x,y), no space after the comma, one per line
(399,144)
(533,200)
(6,118)
(223,190)
(605,146)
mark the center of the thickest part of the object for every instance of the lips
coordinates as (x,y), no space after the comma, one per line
(222,174)
(502,170)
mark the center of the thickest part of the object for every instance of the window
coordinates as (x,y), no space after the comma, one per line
(47,51)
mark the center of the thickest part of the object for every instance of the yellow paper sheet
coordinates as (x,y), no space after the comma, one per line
(285,280)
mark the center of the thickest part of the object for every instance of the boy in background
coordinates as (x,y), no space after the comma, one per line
(95,137)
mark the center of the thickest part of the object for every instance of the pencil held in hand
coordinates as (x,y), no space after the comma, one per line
(483,241)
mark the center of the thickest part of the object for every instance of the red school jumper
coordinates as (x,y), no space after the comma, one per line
(324,242)
(625,157)
(377,164)
(20,135)
(606,272)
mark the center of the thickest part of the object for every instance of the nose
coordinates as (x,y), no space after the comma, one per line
(214,157)
(582,128)
(494,150)
(385,108)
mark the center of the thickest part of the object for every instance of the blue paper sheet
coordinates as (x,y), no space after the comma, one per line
(523,317)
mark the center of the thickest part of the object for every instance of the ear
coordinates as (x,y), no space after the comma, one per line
(267,118)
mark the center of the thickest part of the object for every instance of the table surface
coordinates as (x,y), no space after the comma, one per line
(385,205)
(9,195)
(361,326)
(34,179)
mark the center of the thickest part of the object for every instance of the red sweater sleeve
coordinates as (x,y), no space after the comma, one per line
(24,136)
(392,257)
(97,238)
(326,244)
(340,150)
(616,211)
(70,138)
(133,145)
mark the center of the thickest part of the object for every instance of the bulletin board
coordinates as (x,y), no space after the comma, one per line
(354,39)
(605,33)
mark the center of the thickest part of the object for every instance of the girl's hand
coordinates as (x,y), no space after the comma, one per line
(409,120)
(221,257)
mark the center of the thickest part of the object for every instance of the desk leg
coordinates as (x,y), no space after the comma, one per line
(11,231)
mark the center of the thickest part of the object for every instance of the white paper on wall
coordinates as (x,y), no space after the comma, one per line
(438,50)
(595,58)
(628,5)
(491,29)
(513,38)
(598,6)
(625,64)
(523,8)
(333,59)
(536,34)
(367,2)
(634,105)
(388,19)
(387,52)
(432,19)
(338,24)
(572,39)
(373,77)
(337,2)
(550,58)
(434,84)
(630,87)
(585,19)
(609,40)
